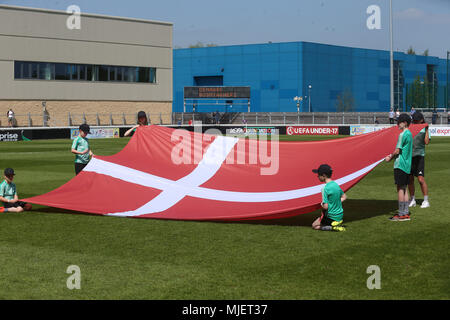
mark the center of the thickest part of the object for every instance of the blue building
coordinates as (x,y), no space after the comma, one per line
(278,72)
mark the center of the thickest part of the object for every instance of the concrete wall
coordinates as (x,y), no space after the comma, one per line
(58,112)
(41,35)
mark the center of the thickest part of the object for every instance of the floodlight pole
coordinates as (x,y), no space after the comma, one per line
(391,54)
(446,92)
(309,97)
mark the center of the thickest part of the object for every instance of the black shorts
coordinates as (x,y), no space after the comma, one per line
(79,167)
(324,220)
(14,205)
(418,166)
(401,178)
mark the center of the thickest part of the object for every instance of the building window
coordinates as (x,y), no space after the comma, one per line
(61,71)
(82,72)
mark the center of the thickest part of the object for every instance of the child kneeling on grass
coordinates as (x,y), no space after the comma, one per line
(8,195)
(332,198)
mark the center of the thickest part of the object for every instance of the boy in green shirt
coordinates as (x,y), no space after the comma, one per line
(402,166)
(332,198)
(81,149)
(418,162)
(8,194)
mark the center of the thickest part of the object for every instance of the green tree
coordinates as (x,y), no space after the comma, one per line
(345,101)
(426,52)
(410,50)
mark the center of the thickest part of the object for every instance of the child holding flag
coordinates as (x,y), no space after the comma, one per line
(402,166)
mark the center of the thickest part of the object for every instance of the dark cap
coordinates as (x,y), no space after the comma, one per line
(417,116)
(141,114)
(404,118)
(85,128)
(323,169)
(9,172)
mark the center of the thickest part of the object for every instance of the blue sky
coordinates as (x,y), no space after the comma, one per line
(418,23)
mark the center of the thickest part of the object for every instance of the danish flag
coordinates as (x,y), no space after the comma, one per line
(170,173)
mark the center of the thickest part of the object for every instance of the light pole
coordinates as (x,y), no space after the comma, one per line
(391,53)
(309,97)
(298,100)
(446,101)
(422,95)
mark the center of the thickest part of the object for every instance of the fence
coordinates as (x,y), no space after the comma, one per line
(75,119)
(236,118)
(293,118)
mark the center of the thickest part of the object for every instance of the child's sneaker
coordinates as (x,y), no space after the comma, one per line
(400,218)
(412,203)
(425,204)
(2,209)
(337,226)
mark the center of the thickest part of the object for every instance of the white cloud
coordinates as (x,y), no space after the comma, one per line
(423,17)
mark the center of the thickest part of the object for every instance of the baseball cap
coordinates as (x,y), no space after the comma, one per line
(404,118)
(85,128)
(141,114)
(323,169)
(417,116)
(9,172)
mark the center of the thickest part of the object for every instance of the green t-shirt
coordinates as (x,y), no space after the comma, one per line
(419,144)
(8,190)
(81,144)
(332,194)
(404,143)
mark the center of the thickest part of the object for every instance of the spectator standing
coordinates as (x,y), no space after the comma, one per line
(397,115)
(434,117)
(391,116)
(10,115)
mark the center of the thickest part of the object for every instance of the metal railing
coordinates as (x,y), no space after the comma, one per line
(76,119)
(301,118)
(235,118)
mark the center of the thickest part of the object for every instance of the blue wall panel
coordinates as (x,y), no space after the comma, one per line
(276,72)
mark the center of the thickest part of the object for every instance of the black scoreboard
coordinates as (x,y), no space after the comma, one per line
(217,92)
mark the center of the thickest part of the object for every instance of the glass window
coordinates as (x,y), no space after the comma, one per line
(82,71)
(18,69)
(129,74)
(46,71)
(102,73)
(61,71)
(119,73)
(112,73)
(152,75)
(26,74)
(73,71)
(34,70)
(143,75)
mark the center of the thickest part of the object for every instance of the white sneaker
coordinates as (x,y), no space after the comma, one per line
(425,204)
(412,203)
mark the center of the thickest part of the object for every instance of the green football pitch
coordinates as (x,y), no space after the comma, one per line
(124,258)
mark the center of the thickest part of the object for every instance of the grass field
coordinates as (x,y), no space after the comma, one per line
(123,258)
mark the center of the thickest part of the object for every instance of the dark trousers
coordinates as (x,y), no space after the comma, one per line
(79,167)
